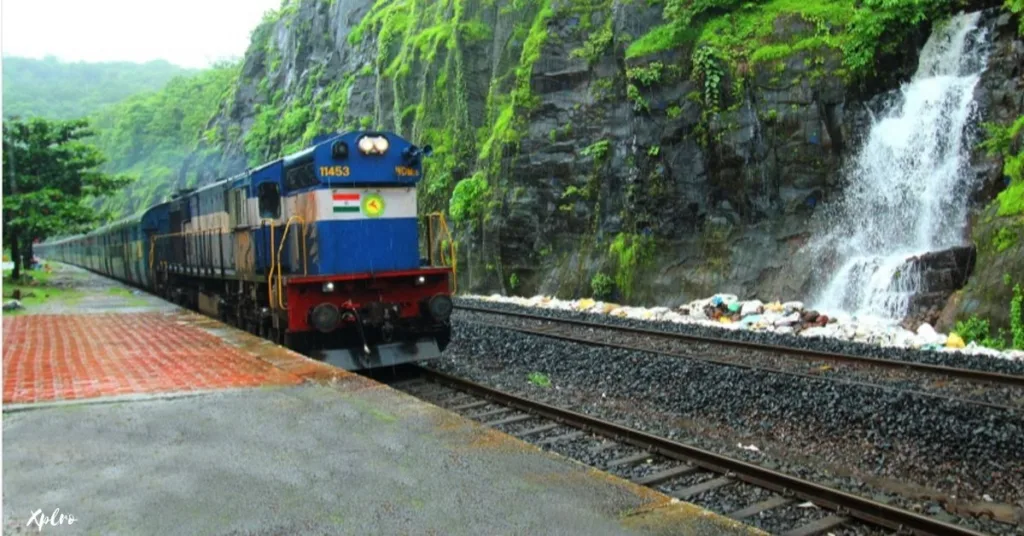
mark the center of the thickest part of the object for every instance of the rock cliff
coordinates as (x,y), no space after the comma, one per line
(589,146)
(997,230)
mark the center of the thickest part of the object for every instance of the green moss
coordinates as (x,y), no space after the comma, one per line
(639,102)
(602,88)
(562,132)
(1004,239)
(1006,142)
(421,56)
(738,35)
(648,75)
(659,39)
(531,52)
(598,149)
(630,252)
(1016,7)
(602,286)
(1011,200)
(470,197)
(502,132)
(597,43)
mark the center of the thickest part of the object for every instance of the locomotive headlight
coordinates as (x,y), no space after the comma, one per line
(373,144)
(328,287)
(325,317)
(440,307)
(421,280)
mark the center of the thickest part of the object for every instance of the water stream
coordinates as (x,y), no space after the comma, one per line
(907,187)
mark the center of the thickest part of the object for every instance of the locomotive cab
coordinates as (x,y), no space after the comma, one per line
(363,298)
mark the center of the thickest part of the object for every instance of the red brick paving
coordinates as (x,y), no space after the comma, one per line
(65,357)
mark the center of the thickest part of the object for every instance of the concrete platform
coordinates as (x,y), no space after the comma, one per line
(297,447)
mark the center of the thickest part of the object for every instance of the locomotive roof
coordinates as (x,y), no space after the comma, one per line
(285,160)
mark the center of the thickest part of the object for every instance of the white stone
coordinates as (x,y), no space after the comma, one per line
(756,316)
(818,331)
(698,314)
(788,320)
(752,307)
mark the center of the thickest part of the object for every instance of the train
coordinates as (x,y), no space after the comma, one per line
(323,251)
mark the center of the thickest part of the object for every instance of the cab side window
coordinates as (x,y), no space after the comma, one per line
(269,200)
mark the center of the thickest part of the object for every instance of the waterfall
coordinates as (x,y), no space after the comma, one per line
(907,189)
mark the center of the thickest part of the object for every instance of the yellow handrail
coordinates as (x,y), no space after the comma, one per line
(270,272)
(451,246)
(275,260)
(280,248)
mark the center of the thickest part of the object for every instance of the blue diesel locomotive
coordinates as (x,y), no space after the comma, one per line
(321,251)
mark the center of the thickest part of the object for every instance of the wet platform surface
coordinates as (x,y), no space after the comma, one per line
(163,421)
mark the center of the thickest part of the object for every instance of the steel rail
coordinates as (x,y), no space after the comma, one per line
(840,501)
(971,374)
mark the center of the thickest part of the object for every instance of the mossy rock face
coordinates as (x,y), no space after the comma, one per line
(515,93)
(1000,265)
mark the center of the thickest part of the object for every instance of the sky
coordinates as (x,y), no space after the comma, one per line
(189,33)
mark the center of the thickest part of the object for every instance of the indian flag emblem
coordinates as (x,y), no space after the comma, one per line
(345,203)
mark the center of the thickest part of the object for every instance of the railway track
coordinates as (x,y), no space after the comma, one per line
(760,496)
(658,341)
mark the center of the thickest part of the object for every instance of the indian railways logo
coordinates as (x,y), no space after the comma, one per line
(373,205)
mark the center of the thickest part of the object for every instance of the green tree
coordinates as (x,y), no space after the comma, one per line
(49,171)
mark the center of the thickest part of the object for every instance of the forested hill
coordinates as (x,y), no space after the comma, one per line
(58,90)
(153,136)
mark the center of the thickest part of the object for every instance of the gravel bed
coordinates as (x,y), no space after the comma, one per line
(522,426)
(728,499)
(783,518)
(722,500)
(858,529)
(577,449)
(901,379)
(892,446)
(454,398)
(477,411)
(951,359)
(685,481)
(642,469)
(554,432)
